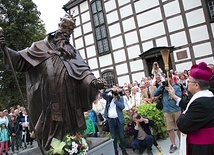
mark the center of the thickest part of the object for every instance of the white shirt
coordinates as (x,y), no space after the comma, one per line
(112,113)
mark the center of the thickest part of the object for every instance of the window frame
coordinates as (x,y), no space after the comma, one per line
(100,29)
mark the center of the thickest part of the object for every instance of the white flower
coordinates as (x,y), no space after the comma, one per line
(74,145)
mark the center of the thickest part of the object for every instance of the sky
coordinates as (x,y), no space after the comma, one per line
(51,11)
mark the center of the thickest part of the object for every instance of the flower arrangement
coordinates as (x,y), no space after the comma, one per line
(70,145)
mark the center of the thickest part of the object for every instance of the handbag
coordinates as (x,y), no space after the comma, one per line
(100,117)
(159,104)
(105,126)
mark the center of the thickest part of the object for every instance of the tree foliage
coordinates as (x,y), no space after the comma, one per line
(22,26)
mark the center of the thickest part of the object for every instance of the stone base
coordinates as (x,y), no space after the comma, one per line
(98,146)
(101,146)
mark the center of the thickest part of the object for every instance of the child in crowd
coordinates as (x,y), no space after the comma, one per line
(90,130)
(13,129)
(4,138)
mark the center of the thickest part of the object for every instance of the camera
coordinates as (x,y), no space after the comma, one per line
(115,93)
(165,83)
(138,116)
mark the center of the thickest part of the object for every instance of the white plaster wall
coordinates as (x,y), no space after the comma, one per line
(114,29)
(91,51)
(112,17)
(206,60)
(89,39)
(136,65)
(202,49)
(105,60)
(195,17)
(151,31)
(85,17)
(143,5)
(77,32)
(119,56)
(128,24)
(117,42)
(122,2)
(183,66)
(84,6)
(162,41)
(121,69)
(126,11)
(87,28)
(131,38)
(71,40)
(82,53)
(147,45)
(183,49)
(171,8)
(110,5)
(138,76)
(175,23)
(189,4)
(133,51)
(149,17)
(93,63)
(96,74)
(199,34)
(178,39)
(79,43)
(123,79)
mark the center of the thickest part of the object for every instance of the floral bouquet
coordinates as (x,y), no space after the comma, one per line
(70,145)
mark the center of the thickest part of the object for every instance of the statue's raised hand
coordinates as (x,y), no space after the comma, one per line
(100,83)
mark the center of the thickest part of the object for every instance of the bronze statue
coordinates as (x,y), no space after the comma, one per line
(60,86)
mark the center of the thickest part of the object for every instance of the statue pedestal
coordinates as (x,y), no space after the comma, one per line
(101,146)
(98,146)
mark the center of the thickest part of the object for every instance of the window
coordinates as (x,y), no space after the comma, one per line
(109,77)
(210,6)
(100,27)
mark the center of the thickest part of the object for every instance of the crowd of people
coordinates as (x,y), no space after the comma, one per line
(14,130)
(177,94)
(113,101)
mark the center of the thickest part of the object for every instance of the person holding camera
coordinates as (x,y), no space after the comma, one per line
(143,138)
(170,109)
(114,114)
(156,70)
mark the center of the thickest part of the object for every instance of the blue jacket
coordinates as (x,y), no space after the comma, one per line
(4,135)
(119,105)
(169,105)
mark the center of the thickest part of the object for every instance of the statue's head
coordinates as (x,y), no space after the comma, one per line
(67,24)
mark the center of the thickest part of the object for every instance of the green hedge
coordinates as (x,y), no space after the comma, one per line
(149,111)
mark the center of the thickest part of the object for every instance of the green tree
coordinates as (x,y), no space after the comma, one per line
(22,26)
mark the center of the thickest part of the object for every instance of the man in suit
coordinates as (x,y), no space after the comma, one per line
(114,114)
(197,121)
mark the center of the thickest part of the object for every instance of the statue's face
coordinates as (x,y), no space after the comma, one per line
(67,30)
